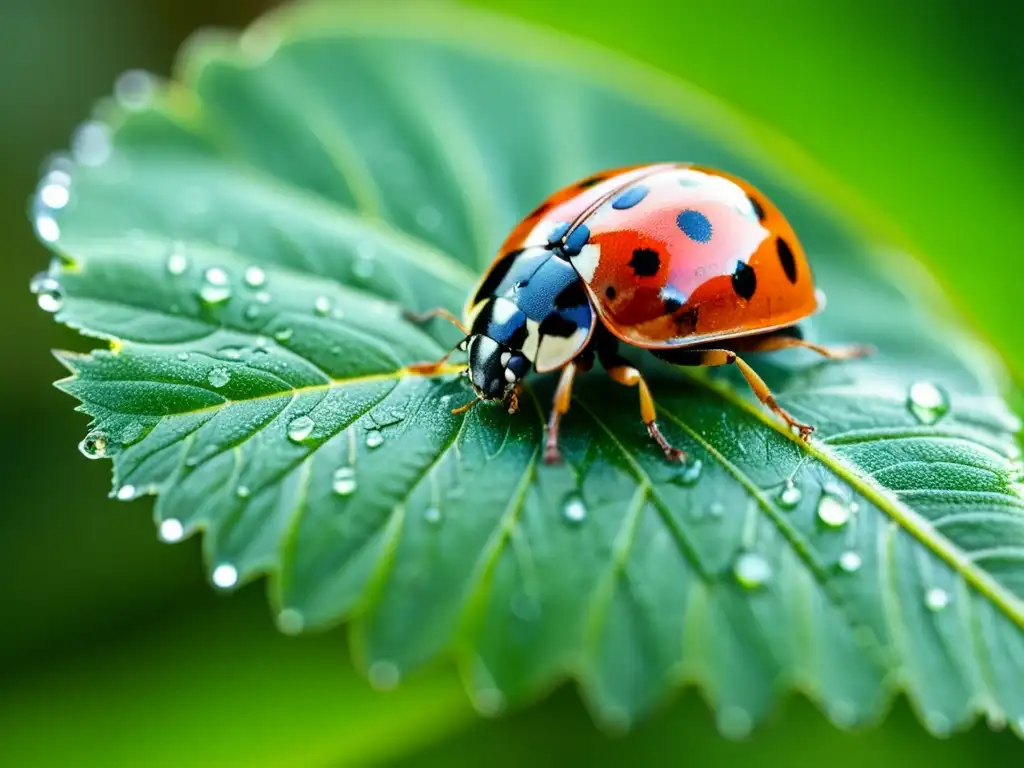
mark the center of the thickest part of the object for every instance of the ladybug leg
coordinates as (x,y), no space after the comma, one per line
(789,338)
(563,398)
(629,376)
(716,357)
(424,317)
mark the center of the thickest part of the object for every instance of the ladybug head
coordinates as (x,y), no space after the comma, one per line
(495,369)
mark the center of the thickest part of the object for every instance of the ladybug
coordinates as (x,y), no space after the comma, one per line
(689,262)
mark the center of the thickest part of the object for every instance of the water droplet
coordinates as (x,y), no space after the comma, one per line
(300,429)
(322,306)
(134,89)
(735,722)
(927,401)
(218,377)
(384,675)
(253,312)
(94,446)
(374,439)
(344,481)
(936,599)
(283,335)
(574,510)
(177,261)
(833,511)
(47,229)
(55,192)
(850,561)
(225,576)
(432,515)
(717,509)
(172,530)
(216,289)
(254,277)
(690,473)
(365,261)
(182,355)
(126,492)
(429,218)
(231,353)
(790,495)
(263,297)
(91,144)
(488,701)
(291,621)
(243,492)
(49,294)
(752,570)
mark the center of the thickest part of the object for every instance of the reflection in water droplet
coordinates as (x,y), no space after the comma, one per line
(134,89)
(91,144)
(850,561)
(216,289)
(94,446)
(322,306)
(374,439)
(927,401)
(790,495)
(833,511)
(344,481)
(218,377)
(225,576)
(432,515)
(254,277)
(300,429)
(574,510)
(126,492)
(752,570)
(936,599)
(47,229)
(171,530)
(290,621)
(384,675)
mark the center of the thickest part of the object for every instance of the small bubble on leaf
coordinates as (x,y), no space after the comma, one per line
(850,561)
(254,276)
(218,377)
(432,515)
(322,306)
(574,511)
(790,495)
(936,599)
(374,439)
(927,401)
(752,570)
(300,429)
(344,481)
(225,576)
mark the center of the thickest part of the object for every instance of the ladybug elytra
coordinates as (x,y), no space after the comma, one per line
(689,262)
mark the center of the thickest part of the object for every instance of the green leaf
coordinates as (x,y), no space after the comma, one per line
(248,237)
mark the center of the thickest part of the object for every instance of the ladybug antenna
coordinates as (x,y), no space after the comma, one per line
(467,406)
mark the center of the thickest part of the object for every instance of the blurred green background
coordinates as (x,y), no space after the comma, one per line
(113,649)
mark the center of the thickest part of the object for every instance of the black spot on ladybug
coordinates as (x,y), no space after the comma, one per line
(758,208)
(590,181)
(786,259)
(610,291)
(645,262)
(672,306)
(744,281)
(557,325)
(573,295)
(496,275)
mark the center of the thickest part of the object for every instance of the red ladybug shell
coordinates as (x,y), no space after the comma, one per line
(674,255)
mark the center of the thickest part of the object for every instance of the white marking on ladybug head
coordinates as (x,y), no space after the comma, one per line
(585,262)
(510,376)
(505,357)
(503,311)
(532,340)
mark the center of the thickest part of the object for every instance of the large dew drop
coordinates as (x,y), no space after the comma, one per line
(574,511)
(218,377)
(49,294)
(344,481)
(225,576)
(322,306)
(790,495)
(171,530)
(752,571)
(94,446)
(215,288)
(927,401)
(833,511)
(300,429)
(374,439)
(936,599)
(254,277)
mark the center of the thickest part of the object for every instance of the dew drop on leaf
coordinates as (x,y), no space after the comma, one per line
(225,576)
(344,481)
(322,306)
(850,561)
(291,621)
(47,229)
(717,509)
(243,492)
(790,495)
(374,439)
(690,473)
(936,599)
(215,289)
(134,89)
(735,722)
(218,377)
(49,294)
(384,675)
(177,261)
(171,530)
(126,492)
(574,511)
(927,401)
(254,276)
(263,297)
(91,144)
(94,445)
(432,515)
(252,312)
(752,570)
(284,334)
(182,356)
(365,261)
(55,190)
(833,511)
(300,429)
